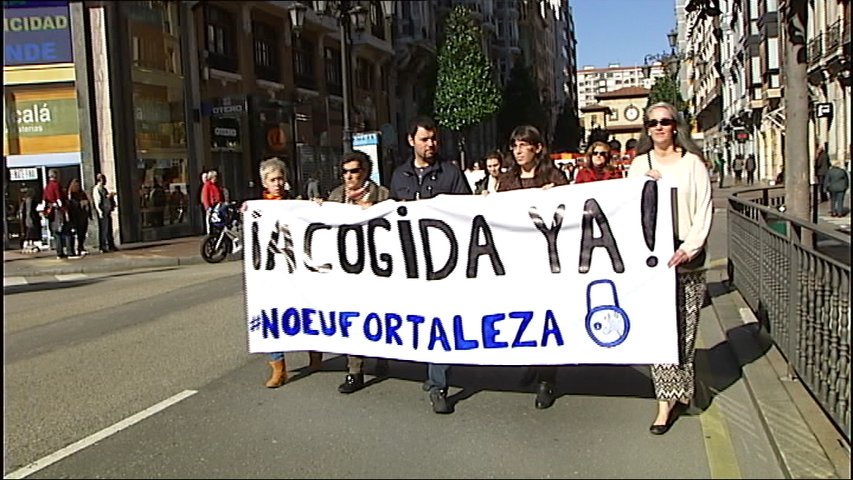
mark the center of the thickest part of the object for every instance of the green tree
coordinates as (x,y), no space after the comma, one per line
(465,92)
(521,104)
(665,89)
(567,132)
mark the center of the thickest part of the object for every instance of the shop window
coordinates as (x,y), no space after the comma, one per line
(162,191)
(266,52)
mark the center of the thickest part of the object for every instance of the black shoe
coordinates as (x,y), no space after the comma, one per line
(544,395)
(438,399)
(381,368)
(674,413)
(353,383)
(528,377)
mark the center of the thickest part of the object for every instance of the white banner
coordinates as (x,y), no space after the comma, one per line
(574,274)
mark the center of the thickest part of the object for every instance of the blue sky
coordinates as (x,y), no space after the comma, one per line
(621,31)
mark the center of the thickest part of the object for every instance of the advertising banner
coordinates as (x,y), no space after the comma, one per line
(38,35)
(572,274)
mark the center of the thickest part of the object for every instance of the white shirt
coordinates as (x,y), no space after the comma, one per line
(693,186)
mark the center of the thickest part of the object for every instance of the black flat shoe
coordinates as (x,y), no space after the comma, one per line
(673,415)
(545,395)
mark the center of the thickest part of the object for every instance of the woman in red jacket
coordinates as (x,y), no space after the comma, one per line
(211,195)
(56,212)
(598,165)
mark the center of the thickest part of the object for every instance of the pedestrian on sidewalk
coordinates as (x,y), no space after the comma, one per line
(750,167)
(30,221)
(533,168)
(79,212)
(104,202)
(665,149)
(835,184)
(211,195)
(821,167)
(424,176)
(56,212)
(737,167)
(358,189)
(273,172)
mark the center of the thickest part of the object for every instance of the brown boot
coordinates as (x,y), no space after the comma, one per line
(315,361)
(278,375)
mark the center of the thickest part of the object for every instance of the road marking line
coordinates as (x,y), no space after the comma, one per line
(722,460)
(70,276)
(97,437)
(14,281)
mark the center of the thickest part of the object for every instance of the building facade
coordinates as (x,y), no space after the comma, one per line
(734,64)
(41,128)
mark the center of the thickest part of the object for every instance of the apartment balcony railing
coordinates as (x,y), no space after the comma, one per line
(814,50)
(833,39)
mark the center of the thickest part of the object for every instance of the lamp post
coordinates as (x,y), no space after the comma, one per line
(349,14)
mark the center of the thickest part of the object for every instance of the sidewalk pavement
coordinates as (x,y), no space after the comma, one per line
(163,253)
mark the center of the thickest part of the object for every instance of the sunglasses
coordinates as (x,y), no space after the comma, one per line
(665,122)
(599,154)
(354,171)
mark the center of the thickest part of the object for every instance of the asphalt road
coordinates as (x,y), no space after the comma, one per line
(93,353)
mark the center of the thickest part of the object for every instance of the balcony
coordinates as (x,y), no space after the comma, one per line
(833,38)
(814,50)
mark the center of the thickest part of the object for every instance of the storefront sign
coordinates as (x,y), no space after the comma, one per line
(276,138)
(36,36)
(21,174)
(33,118)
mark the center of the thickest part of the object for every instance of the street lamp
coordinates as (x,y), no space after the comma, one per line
(349,14)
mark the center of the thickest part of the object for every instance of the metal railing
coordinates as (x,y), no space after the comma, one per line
(814,50)
(786,272)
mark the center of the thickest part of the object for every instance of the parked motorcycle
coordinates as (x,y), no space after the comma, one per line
(226,233)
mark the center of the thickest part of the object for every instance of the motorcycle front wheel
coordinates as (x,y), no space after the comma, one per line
(210,253)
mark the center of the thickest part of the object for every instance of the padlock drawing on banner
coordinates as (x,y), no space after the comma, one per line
(606,325)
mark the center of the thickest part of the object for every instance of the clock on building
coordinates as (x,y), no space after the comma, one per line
(632,113)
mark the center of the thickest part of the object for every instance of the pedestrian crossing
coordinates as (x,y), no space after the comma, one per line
(17,281)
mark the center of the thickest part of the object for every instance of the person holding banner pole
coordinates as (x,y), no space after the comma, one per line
(358,189)
(533,168)
(273,173)
(424,176)
(665,149)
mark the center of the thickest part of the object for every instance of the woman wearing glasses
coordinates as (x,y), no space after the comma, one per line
(358,189)
(273,172)
(598,164)
(533,168)
(665,150)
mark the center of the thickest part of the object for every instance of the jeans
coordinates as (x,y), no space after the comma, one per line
(437,374)
(64,242)
(276,356)
(105,233)
(837,205)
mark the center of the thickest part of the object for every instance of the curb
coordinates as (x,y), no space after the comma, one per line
(104,266)
(799,451)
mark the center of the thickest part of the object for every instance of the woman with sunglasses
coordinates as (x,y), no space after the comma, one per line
(665,150)
(533,168)
(598,164)
(358,189)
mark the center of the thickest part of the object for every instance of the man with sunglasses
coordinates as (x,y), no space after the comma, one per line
(358,189)
(424,176)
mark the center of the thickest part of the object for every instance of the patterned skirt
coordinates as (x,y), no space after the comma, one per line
(675,381)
